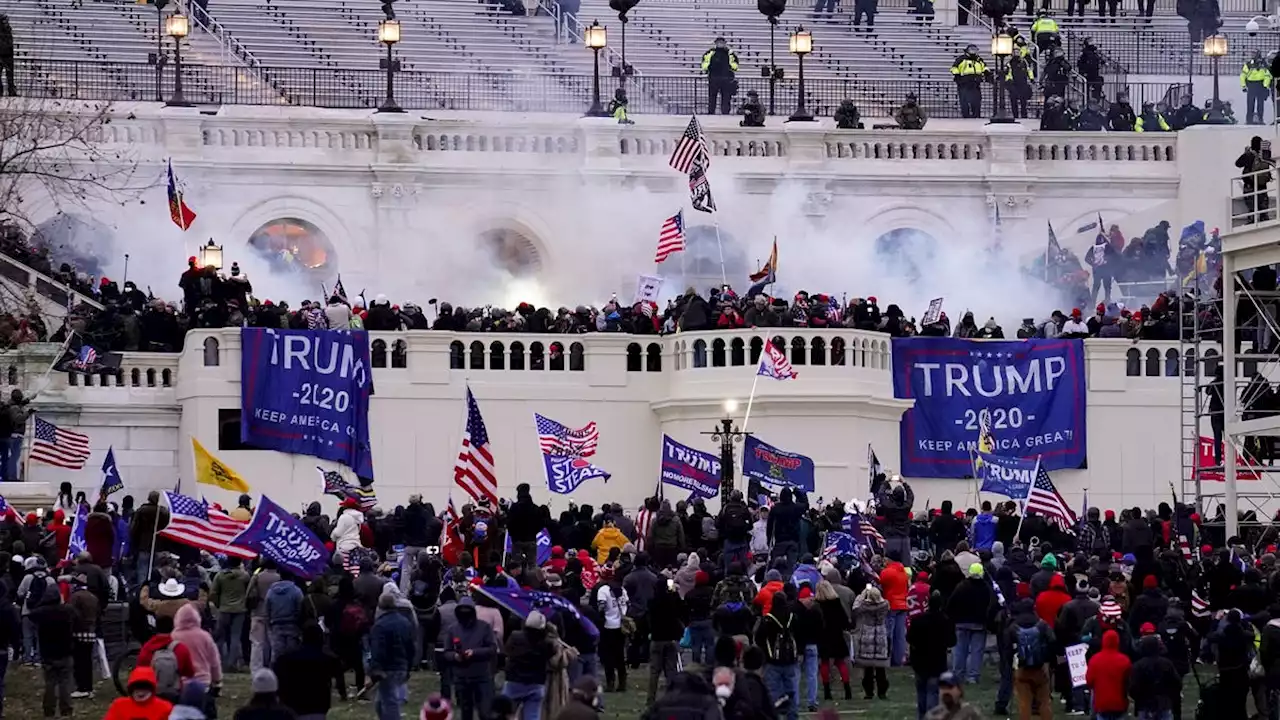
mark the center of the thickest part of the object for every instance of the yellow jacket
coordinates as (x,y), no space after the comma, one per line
(607,539)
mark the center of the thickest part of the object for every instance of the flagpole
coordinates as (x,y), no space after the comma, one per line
(505,543)
(746,417)
(155,533)
(1017,533)
(25,460)
(724,279)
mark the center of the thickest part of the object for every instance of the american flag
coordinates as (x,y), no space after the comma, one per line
(700,189)
(87,357)
(556,439)
(1184,547)
(1199,606)
(192,522)
(335,485)
(474,472)
(1045,499)
(55,446)
(839,543)
(691,146)
(862,529)
(7,512)
(644,520)
(774,364)
(670,237)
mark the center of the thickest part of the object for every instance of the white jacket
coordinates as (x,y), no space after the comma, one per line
(613,609)
(760,539)
(346,533)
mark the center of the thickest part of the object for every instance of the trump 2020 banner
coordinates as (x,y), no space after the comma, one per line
(307,392)
(1008,476)
(1032,391)
(776,467)
(694,470)
(276,534)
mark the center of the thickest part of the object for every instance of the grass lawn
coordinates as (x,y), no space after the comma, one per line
(24,688)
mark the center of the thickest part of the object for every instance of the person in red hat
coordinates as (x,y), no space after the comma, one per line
(1151,606)
(1075,327)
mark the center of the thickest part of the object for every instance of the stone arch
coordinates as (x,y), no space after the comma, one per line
(151,377)
(555,351)
(212,358)
(837,351)
(517,355)
(315,213)
(456,355)
(717,353)
(166,378)
(653,358)
(906,252)
(294,244)
(699,353)
(476,356)
(818,351)
(757,348)
(1171,362)
(1133,362)
(378,353)
(577,357)
(537,356)
(1152,368)
(497,356)
(400,354)
(797,350)
(634,361)
(737,352)
(898,216)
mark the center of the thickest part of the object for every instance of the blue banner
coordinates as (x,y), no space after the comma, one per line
(306,392)
(773,466)
(1031,393)
(275,533)
(1005,475)
(565,473)
(694,470)
(77,544)
(544,547)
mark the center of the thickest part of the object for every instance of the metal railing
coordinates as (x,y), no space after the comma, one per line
(334,88)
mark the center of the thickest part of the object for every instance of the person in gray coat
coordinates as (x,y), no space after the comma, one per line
(469,647)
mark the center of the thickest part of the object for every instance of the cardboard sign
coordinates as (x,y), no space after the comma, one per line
(1077,663)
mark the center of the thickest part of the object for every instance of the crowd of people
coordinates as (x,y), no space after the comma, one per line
(750,612)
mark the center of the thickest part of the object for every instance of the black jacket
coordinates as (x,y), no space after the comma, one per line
(1120,117)
(667,615)
(784,522)
(524,520)
(1153,681)
(930,636)
(307,677)
(1149,607)
(528,655)
(971,602)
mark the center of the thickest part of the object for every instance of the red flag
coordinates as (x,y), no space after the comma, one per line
(179,213)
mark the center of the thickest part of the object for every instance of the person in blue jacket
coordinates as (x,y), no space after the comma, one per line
(982,533)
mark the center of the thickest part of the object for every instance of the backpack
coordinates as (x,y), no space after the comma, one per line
(354,620)
(737,521)
(164,663)
(784,651)
(1030,647)
(35,593)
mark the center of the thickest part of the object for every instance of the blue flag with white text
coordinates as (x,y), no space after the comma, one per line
(77,544)
(544,547)
(694,470)
(1009,476)
(565,473)
(1030,393)
(276,534)
(306,392)
(111,480)
(775,466)
(521,602)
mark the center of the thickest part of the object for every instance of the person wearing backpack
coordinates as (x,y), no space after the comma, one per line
(30,594)
(284,616)
(168,658)
(734,526)
(1031,640)
(776,637)
(53,622)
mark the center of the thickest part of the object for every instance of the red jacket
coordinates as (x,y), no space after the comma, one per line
(1051,601)
(185,669)
(764,598)
(893,585)
(1108,676)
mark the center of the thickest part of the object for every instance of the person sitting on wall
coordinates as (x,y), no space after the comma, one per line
(752,111)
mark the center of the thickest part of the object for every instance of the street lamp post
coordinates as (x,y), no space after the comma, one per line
(594,37)
(622,7)
(728,435)
(389,35)
(1215,46)
(1001,48)
(801,44)
(211,255)
(177,26)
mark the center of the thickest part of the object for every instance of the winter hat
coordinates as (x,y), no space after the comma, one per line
(1128,559)
(922,576)
(1147,629)
(976,571)
(350,503)
(701,578)
(264,681)
(1206,550)
(1110,609)
(1110,514)
(1024,590)
(805,593)
(1075,312)
(628,549)
(1094,594)
(436,708)
(773,576)
(535,621)
(1049,562)
(1150,583)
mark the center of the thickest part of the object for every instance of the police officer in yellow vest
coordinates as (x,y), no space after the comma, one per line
(1255,80)
(969,71)
(1044,31)
(721,66)
(1151,119)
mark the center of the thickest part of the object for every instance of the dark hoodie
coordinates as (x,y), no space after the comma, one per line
(1020,563)
(946,530)
(9,621)
(1149,607)
(1180,640)
(667,532)
(308,675)
(315,522)
(895,507)
(1154,681)
(688,696)
(469,645)
(1024,617)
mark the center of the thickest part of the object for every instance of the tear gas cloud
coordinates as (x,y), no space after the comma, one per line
(608,236)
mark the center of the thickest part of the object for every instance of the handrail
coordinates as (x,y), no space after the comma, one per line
(35,278)
(210,24)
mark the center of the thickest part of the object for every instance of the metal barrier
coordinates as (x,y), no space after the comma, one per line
(360,89)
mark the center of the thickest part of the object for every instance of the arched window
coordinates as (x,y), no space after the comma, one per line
(757,347)
(517,355)
(456,353)
(400,354)
(837,351)
(797,351)
(557,355)
(537,359)
(699,353)
(818,352)
(1189,363)
(13,375)
(211,358)
(653,358)
(634,363)
(1133,363)
(497,356)
(378,353)
(737,353)
(151,377)
(73,379)
(1211,362)
(1171,363)
(577,358)
(717,352)
(135,377)
(1153,363)
(477,355)
(166,378)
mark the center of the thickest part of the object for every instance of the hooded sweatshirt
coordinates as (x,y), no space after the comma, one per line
(983,532)
(126,708)
(1108,676)
(206,663)
(284,604)
(1050,602)
(1153,682)
(608,538)
(346,533)
(686,576)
